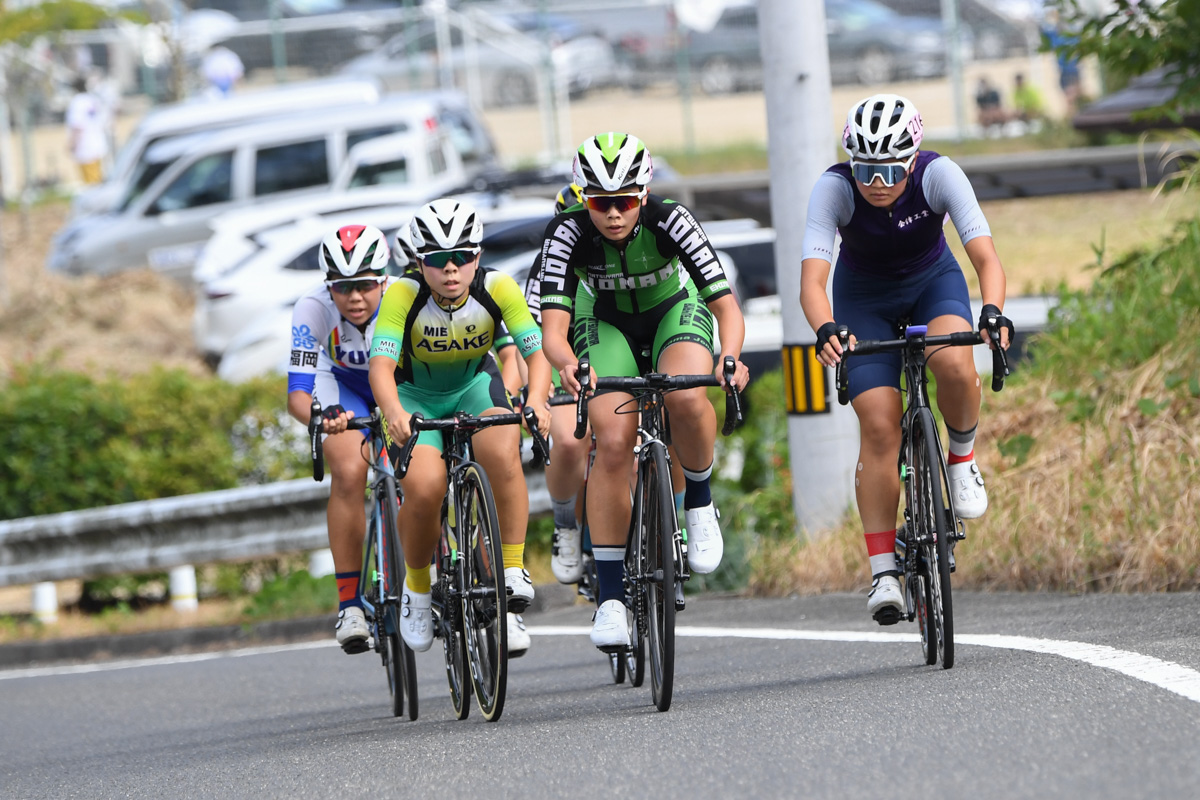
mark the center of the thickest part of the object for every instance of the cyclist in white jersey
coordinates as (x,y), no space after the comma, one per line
(331,338)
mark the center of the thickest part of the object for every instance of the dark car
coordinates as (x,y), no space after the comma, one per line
(995,35)
(868,43)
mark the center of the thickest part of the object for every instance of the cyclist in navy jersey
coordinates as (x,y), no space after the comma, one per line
(889,202)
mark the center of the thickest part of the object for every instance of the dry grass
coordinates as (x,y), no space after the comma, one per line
(117,324)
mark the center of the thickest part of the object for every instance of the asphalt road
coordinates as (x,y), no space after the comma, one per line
(829,706)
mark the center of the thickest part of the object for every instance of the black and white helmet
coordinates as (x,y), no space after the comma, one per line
(881,127)
(353,249)
(611,162)
(445,224)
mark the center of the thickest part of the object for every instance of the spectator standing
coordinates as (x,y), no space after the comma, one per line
(87,127)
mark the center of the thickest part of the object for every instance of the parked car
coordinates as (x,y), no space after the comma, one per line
(187,182)
(868,43)
(232,328)
(319,35)
(179,119)
(507,60)
(995,35)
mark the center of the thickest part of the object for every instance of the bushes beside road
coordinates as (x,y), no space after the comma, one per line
(68,441)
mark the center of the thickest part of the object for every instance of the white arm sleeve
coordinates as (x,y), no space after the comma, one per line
(948,190)
(831,204)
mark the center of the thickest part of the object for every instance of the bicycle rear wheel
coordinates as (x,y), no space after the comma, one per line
(929,514)
(657,567)
(398,658)
(485,605)
(448,618)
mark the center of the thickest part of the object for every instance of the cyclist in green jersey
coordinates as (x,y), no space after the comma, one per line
(432,341)
(644,285)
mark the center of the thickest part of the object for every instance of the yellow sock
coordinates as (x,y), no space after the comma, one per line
(417,579)
(514,555)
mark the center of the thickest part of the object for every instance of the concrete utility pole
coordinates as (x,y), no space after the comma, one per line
(822,435)
(954,65)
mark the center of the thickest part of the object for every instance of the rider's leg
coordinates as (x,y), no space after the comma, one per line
(564,480)
(609,489)
(877,489)
(420,515)
(694,434)
(346,514)
(498,451)
(945,303)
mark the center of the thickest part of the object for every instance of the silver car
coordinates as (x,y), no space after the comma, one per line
(503,58)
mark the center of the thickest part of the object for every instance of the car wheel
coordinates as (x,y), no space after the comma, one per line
(717,76)
(874,66)
(514,89)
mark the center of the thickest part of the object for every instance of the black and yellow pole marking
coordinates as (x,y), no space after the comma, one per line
(805,380)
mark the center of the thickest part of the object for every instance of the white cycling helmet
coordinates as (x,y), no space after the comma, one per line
(610,162)
(353,249)
(445,224)
(404,254)
(883,126)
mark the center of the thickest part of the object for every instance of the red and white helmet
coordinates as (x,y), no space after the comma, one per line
(353,249)
(881,127)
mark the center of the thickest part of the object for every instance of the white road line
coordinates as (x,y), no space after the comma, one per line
(1176,678)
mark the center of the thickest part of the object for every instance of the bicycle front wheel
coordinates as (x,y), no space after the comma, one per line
(929,514)
(657,567)
(399,659)
(485,604)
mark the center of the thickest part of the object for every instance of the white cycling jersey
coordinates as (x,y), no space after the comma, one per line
(324,342)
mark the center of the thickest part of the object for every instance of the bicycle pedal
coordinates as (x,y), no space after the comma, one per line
(355,646)
(888,615)
(612,649)
(680,603)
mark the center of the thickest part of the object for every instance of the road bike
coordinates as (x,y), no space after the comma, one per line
(925,540)
(470,600)
(655,552)
(381,581)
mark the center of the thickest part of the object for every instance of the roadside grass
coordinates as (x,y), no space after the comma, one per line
(1092,452)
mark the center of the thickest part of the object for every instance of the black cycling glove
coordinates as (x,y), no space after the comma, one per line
(332,412)
(992,320)
(826,332)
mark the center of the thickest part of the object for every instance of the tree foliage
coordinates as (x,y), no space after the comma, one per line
(1138,36)
(21,25)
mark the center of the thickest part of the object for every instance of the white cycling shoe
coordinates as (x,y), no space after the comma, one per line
(704,543)
(610,626)
(521,589)
(518,637)
(352,630)
(970,495)
(885,601)
(566,561)
(416,620)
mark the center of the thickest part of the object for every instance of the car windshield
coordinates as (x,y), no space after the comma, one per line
(389,173)
(145,175)
(865,12)
(316,6)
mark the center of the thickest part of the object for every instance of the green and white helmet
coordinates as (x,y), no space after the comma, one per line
(610,162)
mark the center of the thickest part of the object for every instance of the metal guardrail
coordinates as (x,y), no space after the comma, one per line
(158,535)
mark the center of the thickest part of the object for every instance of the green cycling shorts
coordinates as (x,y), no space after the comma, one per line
(481,393)
(632,345)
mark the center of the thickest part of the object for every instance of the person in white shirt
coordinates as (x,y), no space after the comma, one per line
(87,126)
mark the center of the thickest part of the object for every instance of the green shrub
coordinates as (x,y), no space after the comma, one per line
(69,442)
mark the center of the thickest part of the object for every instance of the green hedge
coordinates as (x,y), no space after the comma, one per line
(69,442)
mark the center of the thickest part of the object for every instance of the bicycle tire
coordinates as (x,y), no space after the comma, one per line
(658,570)
(936,547)
(485,604)
(398,657)
(635,656)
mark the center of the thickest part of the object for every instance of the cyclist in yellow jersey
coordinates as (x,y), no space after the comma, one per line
(432,340)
